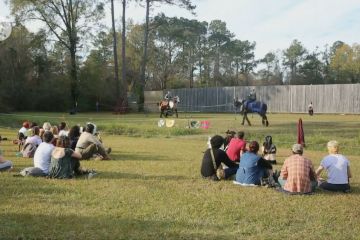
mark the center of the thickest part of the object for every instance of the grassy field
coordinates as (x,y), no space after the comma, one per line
(152,188)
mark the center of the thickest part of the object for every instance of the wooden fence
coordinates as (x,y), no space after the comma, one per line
(334,98)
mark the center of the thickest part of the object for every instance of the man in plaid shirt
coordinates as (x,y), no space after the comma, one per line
(297,174)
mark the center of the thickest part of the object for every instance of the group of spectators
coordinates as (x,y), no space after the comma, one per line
(232,158)
(57,150)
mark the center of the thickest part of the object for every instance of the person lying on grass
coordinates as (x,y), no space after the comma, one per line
(297,174)
(253,168)
(211,166)
(89,145)
(338,170)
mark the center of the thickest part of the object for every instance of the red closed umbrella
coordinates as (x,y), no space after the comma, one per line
(300,133)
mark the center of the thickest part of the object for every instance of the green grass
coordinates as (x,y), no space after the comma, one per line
(152,188)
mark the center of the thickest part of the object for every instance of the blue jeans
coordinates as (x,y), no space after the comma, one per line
(229,172)
(283,181)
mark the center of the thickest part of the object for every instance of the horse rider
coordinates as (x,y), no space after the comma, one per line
(252,95)
(168,97)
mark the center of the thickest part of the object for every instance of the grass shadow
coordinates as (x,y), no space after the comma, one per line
(120,175)
(110,226)
(137,157)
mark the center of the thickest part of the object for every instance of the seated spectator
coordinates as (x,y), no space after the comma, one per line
(269,150)
(5,165)
(89,145)
(213,159)
(63,160)
(236,147)
(297,174)
(42,157)
(35,138)
(46,126)
(253,168)
(74,135)
(24,128)
(228,137)
(55,132)
(63,129)
(338,170)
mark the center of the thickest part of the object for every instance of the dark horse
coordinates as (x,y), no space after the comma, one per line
(169,107)
(247,106)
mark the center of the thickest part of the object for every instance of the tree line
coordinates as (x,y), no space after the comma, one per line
(72,62)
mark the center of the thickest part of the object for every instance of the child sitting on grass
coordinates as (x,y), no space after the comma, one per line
(269,150)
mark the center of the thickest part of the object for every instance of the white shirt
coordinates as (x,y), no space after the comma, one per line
(337,167)
(23,130)
(42,157)
(63,133)
(36,140)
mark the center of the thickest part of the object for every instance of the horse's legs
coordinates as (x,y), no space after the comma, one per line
(245,117)
(265,120)
(161,113)
(176,113)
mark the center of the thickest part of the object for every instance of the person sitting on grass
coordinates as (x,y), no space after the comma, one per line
(35,138)
(5,165)
(269,150)
(89,145)
(229,135)
(297,174)
(236,147)
(63,131)
(74,135)
(42,156)
(213,159)
(338,170)
(253,168)
(65,162)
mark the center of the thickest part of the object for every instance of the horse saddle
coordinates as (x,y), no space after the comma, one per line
(254,106)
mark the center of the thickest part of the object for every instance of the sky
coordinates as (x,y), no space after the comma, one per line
(272,24)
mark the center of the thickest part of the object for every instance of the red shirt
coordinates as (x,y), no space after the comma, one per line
(235,146)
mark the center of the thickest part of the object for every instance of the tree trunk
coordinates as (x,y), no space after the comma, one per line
(144,60)
(116,64)
(73,75)
(123,52)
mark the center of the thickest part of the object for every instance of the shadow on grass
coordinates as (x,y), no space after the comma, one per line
(137,157)
(120,175)
(36,226)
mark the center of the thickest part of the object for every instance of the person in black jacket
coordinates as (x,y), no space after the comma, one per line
(208,170)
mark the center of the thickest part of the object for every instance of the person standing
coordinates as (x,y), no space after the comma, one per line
(311,109)
(338,169)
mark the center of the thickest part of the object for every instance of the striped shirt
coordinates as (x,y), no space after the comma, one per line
(298,172)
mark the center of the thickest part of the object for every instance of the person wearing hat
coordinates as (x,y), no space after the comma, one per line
(338,170)
(215,155)
(89,145)
(253,168)
(297,174)
(237,147)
